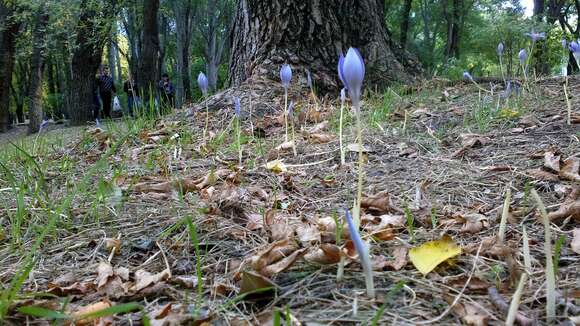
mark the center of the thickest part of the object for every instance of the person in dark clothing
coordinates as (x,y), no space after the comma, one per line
(106,91)
(130,87)
(167,91)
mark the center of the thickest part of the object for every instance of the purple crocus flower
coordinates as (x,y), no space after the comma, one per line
(202,83)
(467,75)
(44,123)
(353,72)
(237,107)
(500,48)
(340,68)
(285,75)
(536,36)
(575,48)
(363,253)
(523,56)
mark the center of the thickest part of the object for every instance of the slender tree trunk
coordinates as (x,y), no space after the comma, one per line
(37,69)
(92,34)
(183,11)
(148,64)
(9,30)
(311,34)
(405,22)
(453,29)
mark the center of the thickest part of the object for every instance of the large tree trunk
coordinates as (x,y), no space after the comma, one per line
(311,34)
(92,33)
(37,69)
(405,22)
(8,30)
(150,53)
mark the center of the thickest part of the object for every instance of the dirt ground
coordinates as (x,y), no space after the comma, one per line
(166,218)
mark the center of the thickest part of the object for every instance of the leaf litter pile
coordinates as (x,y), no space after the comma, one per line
(164,227)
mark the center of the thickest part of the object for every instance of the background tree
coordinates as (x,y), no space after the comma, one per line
(92,32)
(37,69)
(148,63)
(9,26)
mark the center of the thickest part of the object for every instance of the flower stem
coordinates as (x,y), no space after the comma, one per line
(206,120)
(356,216)
(286,112)
(342,155)
(239,141)
(293,138)
(501,70)
(568,105)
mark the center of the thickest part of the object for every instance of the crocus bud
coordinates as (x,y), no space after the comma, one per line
(202,83)
(500,49)
(536,36)
(575,48)
(343,95)
(285,75)
(237,107)
(523,56)
(353,71)
(308,79)
(363,253)
(467,75)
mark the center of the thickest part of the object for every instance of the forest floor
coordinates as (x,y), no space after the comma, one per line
(155,224)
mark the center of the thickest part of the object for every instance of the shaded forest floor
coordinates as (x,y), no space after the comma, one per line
(142,210)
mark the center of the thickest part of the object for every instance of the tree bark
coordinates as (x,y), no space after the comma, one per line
(453,28)
(311,34)
(9,29)
(405,22)
(184,12)
(148,64)
(93,30)
(37,69)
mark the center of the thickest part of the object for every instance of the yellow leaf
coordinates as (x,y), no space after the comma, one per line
(428,255)
(276,166)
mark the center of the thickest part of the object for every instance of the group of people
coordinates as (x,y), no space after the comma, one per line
(105,93)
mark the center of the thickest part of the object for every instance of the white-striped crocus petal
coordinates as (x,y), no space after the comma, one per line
(343,95)
(354,73)
(285,75)
(237,107)
(363,253)
(523,56)
(340,70)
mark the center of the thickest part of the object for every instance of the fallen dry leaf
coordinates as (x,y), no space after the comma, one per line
(320,138)
(144,279)
(430,254)
(569,208)
(400,260)
(552,162)
(285,146)
(470,141)
(177,314)
(75,288)
(325,254)
(308,234)
(468,312)
(575,244)
(473,222)
(276,166)
(569,170)
(251,282)
(83,311)
(542,175)
(318,128)
(379,203)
